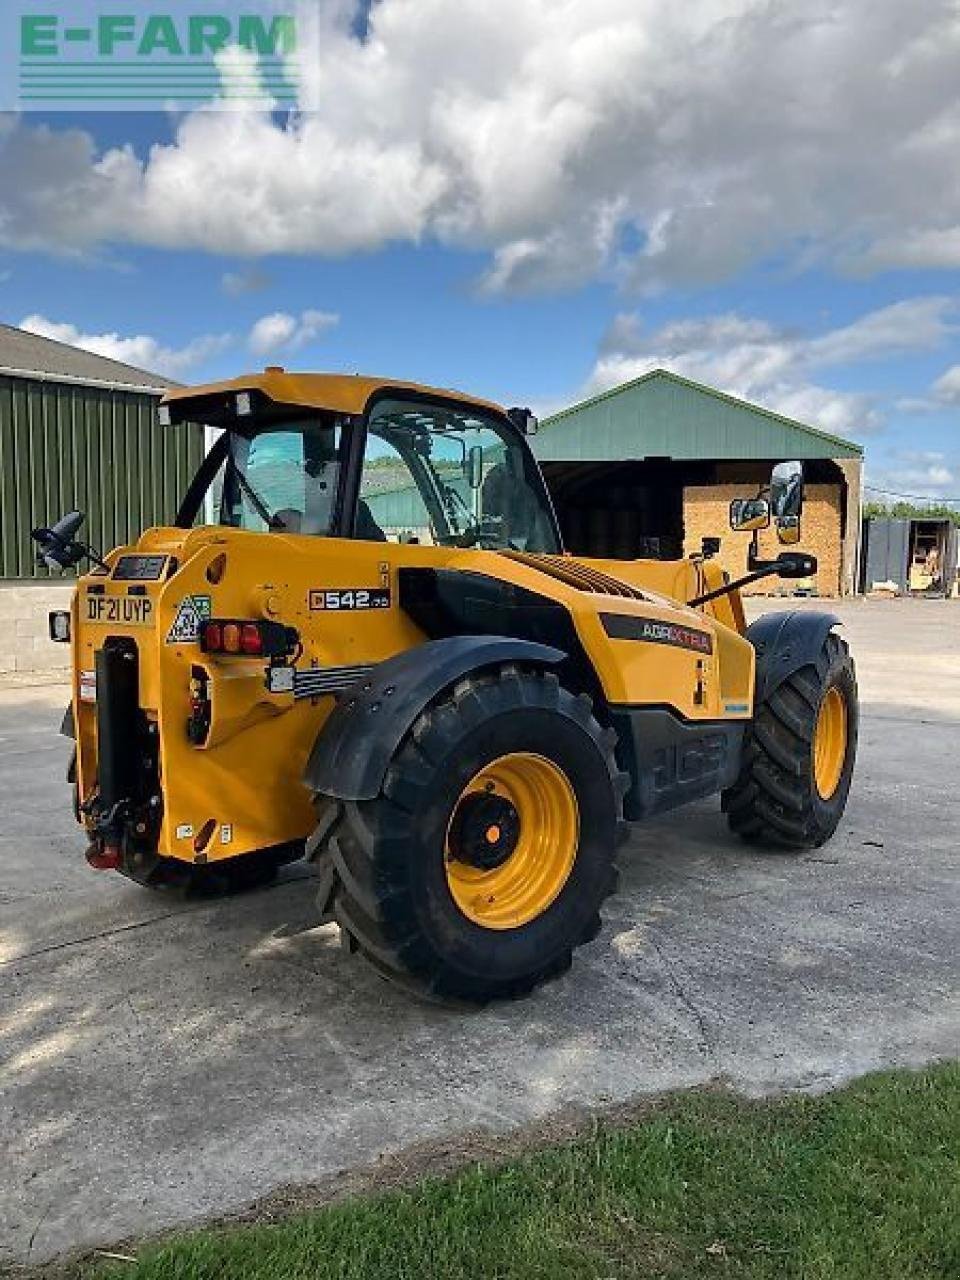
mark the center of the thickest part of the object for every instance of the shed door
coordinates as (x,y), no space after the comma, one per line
(950,561)
(888,547)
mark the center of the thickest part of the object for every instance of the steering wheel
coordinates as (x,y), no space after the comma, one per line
(486,534)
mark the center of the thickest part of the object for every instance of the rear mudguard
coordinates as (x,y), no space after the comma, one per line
(785,642)
(358,740)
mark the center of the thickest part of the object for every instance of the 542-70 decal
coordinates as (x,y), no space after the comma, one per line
(341,599)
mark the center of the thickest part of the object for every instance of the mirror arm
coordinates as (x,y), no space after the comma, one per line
(789,564)
(93,556)
(754,563)
(768,570)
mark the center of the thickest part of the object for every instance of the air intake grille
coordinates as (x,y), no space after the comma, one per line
(576,574)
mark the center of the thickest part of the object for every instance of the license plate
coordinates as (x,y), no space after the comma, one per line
(121,611)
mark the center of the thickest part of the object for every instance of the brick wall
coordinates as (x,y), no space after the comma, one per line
(706,512)
(25,644)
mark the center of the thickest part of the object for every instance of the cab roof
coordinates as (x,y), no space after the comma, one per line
(339,392)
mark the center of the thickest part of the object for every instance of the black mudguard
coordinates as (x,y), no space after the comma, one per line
(357,742)
(67,727)
(784,643)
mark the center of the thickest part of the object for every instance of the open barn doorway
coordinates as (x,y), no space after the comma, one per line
(623,510)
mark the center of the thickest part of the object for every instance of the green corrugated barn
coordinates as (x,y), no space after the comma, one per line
(76,430)
(79,430)
(650,467)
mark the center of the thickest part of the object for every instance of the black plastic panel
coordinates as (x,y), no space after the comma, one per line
(671,760)
(139,568)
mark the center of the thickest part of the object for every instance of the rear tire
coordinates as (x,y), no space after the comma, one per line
(399,861)
(798,756)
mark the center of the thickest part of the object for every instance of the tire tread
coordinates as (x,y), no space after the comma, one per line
(370,901)
(773,801)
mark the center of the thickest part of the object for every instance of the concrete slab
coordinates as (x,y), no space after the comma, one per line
(163,1060)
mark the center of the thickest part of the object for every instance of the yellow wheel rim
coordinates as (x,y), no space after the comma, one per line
(512,841)
(830,743)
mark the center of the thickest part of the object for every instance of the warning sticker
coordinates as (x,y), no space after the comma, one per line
(186,625)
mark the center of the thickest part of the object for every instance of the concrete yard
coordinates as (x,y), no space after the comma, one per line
(164,1060)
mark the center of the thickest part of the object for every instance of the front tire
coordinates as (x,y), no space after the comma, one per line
(798,756)
(484,861)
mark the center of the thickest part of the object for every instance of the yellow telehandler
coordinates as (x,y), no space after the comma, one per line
(362,642)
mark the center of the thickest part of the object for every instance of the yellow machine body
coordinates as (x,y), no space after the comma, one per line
(246,778)
(242,789)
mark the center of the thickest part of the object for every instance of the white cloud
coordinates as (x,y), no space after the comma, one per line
(946,389)
(915,324)
(915,474)
(140,350)
(916,404)
(654,142)
(281,331)
(236,284)
(774,367)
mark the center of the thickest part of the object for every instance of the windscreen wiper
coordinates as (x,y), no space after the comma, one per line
(271,521)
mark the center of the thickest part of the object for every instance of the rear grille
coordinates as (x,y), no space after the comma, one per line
(575,574)
(317,682)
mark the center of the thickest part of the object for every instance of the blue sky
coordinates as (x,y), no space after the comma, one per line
(534,214)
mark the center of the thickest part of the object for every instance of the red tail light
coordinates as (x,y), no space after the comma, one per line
(251,641)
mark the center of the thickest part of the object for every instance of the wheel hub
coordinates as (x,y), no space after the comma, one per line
(484,830)
(512,840)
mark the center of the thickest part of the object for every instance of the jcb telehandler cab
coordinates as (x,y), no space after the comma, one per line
(361,641)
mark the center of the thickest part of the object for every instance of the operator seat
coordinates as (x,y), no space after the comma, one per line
(365,526)
(507,495)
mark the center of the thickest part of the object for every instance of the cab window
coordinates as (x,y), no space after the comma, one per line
(283,478)
(450,477)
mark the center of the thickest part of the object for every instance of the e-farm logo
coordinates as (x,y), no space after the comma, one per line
(102,56)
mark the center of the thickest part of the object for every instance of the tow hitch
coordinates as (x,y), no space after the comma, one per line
(103,857)
(123,814)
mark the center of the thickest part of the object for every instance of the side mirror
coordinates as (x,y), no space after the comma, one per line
(786,489)
(58,548)
(748,514)
(788,530)
(474,466)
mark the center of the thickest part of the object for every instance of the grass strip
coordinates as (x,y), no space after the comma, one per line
(860,1184)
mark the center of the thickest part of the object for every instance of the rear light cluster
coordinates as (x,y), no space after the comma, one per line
(239,638)
(233,637)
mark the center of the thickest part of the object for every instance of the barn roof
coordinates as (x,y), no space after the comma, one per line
(24,354)
(663,415)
